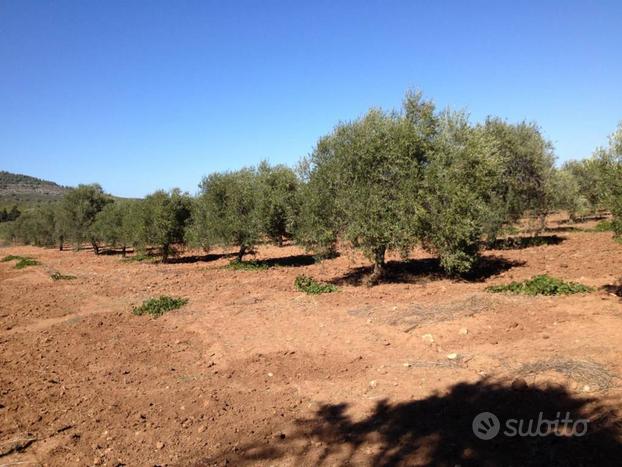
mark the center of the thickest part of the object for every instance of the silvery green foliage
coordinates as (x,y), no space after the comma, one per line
(566,194)
(590,175)
(162,220)
(458,194)
(118,224)
(527,162)
(363,180)
(79,208)
(36,226)
(279,201)
(611,165)
(226,211)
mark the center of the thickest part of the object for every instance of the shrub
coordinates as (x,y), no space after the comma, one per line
(57,276)
(312,287)
(158,306)
(541,285)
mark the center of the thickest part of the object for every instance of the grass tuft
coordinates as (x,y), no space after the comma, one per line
(541,285)
(57,276)
(158,306)
(310,286)
(247,266)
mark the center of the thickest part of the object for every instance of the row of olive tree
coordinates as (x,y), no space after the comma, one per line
(237,208)
(384,182)
(587,186)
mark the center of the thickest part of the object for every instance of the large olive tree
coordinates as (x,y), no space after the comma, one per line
(458,195)
(362,181)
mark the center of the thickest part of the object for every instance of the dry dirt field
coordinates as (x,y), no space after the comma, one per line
(253,372)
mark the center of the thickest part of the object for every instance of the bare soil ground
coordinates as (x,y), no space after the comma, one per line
(252,372)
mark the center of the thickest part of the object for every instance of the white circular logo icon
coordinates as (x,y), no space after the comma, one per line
(486,426)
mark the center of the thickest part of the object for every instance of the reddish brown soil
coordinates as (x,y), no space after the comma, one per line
(251,371)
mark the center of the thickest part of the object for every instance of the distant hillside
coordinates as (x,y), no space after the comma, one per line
(23,189)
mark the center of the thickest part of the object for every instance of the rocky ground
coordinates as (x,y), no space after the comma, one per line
(253,372)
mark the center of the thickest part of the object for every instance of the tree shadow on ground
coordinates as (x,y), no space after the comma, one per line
(415,270)
(440,431)
(115,251)
(520,243)
(199,258)
(613,289)
(581,219)
(293,261)
(562,229)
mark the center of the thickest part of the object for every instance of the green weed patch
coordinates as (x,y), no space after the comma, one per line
(158,306)
(541,285)
(310,286)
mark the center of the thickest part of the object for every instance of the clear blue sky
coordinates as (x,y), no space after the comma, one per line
(140,95)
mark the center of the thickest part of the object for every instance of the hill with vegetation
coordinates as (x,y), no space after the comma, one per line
(21,190)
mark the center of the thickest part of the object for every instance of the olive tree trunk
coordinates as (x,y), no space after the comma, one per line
(379,265)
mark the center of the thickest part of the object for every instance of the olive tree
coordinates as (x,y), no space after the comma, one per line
(162,220)
(566,194)
(79,208)
(527,162)
(363,179)
(226,211)
(36,226)
(118,224)
(279,201)
(458,194)
(590,175)
(610,162)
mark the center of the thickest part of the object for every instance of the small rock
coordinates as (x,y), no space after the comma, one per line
(428,338)
(407,365)
(159,445)
(452,356)
(463,331)
(373,383)
(586,388)
(201,429)
(270,375)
